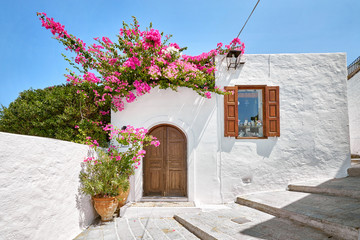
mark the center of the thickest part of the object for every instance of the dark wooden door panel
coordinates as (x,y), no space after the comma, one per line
(153,172)
(165,168)
(176,183)
(155,187)
(176,160)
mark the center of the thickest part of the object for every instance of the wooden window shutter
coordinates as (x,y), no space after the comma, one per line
(231,113)
(272,102)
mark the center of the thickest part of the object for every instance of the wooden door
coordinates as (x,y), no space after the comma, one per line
(165,168)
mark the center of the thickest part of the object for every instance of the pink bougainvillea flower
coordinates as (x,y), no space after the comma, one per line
(132,63)
(90,77)
(137,61)
(104,112)
(130,97)
(152,39)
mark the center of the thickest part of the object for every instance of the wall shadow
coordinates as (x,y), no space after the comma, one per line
(87,212)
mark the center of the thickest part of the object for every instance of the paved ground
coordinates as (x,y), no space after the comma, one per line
(244,223)
(345,211)
(143,220)
(322,210)
(332,206)
(232,221)
(137,228)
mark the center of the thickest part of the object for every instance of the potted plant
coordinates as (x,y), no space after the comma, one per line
(106,177)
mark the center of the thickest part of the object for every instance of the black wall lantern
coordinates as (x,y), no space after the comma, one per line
(233,58)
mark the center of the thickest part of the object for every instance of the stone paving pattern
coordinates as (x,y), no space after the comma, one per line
(137,228)
(338,217)
(235,222)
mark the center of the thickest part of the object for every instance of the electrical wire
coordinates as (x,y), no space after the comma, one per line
(248,18)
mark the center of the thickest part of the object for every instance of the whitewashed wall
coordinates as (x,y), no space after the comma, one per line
(314,140)
(39,182)
(354,112)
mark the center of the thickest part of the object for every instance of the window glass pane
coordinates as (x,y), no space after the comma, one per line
(250,112)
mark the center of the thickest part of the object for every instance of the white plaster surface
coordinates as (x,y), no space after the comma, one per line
(39,182)
(314,141)
(354,112)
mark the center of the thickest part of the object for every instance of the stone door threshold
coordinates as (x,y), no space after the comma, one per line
(163,204)
(164,199)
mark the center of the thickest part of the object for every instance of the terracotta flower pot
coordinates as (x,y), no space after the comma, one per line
(122,197)
(105,207)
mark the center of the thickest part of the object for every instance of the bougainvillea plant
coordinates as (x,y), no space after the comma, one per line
(110,170)
(136,62)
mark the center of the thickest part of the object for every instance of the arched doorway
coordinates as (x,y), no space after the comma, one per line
(165,167)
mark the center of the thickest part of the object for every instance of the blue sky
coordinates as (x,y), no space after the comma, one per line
(30,58)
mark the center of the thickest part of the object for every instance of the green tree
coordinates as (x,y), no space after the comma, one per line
(57,112)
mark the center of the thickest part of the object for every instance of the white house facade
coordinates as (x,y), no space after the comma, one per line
(286,121)
(354,110)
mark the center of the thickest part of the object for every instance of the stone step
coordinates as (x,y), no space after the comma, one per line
(156,209)
(342,187)
(240,222)
(336,216)
(355,160)
(354,170)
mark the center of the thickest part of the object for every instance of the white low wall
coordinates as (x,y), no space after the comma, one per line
(39,182)
(354,113)
(314,141)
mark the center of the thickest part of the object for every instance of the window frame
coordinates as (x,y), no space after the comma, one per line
(271,111)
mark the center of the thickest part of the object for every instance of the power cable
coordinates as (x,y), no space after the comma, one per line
(248,19)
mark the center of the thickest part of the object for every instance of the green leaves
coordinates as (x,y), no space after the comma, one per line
(54,112)
(106,177)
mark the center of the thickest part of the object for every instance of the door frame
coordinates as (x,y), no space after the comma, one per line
(186,159)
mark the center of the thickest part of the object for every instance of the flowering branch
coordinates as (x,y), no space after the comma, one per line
(136,62)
